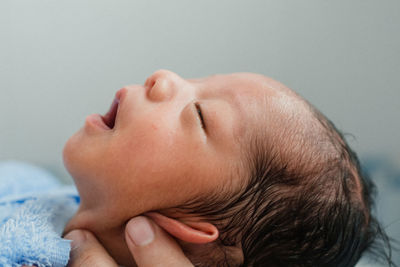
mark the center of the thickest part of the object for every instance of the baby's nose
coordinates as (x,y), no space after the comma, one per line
(162,85)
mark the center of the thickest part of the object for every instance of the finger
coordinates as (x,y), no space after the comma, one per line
(87,251)
(151,246)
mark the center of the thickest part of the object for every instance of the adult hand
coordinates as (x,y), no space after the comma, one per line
(150,245)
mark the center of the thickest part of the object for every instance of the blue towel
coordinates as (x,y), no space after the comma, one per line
(34,208)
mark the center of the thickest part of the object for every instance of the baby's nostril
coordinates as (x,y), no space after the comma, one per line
(160,91)
(150,83)
(152,80)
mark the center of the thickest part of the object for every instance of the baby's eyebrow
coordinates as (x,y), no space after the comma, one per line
(234,124)
(238,109)
(212,87)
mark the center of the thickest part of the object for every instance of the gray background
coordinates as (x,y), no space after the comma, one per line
(62,60)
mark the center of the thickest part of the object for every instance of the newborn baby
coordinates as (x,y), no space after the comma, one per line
(238,168)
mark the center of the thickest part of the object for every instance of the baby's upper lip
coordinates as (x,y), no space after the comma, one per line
(120,94)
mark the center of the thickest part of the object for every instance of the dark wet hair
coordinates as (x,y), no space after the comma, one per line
(307,203)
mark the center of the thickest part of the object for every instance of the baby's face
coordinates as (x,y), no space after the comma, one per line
(173,140)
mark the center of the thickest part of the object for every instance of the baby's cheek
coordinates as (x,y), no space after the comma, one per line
(159,161)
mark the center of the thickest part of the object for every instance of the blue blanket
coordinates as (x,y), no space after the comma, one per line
(34,208)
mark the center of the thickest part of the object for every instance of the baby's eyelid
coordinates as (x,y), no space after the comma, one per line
(200,115)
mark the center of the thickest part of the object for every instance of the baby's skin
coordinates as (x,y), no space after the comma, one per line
(165,143)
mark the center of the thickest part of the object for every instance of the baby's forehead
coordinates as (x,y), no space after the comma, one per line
(260,101)
(265,91)
(247,83)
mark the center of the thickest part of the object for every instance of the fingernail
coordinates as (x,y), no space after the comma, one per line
(140,231)
(77,237)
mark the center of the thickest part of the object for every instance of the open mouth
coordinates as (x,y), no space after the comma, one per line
(110,117)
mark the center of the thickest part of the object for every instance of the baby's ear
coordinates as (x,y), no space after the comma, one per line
(192,232)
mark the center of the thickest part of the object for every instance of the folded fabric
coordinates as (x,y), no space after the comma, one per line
(34,208)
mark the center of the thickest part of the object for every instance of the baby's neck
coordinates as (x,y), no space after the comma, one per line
(112,238)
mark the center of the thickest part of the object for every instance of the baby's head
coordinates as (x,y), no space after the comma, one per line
(238,168)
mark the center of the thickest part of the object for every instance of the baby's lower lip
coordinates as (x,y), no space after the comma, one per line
(97,121)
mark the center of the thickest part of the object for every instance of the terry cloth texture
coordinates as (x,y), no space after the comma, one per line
(34,208)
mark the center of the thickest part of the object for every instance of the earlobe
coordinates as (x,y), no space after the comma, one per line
(192,232)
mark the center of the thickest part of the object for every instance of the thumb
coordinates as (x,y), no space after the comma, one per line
(151,246)
(87,251)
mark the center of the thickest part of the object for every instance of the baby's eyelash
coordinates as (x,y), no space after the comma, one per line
(198,109)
